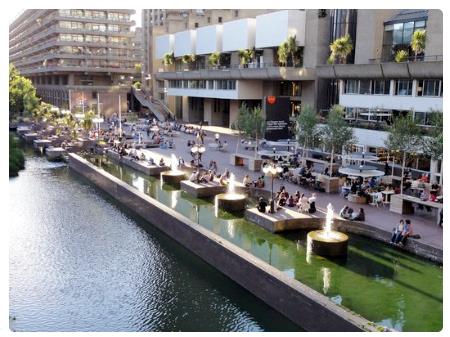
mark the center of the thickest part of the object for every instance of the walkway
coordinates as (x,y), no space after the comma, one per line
(381,217)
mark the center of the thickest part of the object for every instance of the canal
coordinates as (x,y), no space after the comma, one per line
(379,282)
(79,262)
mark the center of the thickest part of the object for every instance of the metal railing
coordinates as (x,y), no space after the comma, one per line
(262,65)
(422,58)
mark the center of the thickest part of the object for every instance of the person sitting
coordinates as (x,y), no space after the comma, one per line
(281,201)
(247,181)
(407,231)
(291,201)
(142,157)
(303,204)
(397,231)
(194,177)
(350,214)
(296,197)
(260,183)
(151,161)
(262,205)
(180,161)
(312,204)
(204,178)
(361,216)
(344,212)
(223,180)
(161,162)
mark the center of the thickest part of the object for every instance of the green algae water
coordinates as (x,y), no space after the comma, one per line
(79,262)
(378,282)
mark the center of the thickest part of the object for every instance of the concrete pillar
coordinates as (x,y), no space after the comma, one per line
(234,59)
(185,108)
(392,88)
(434,170)
(268,56)
(234,111)
(414,88)
(71,79)
(207,110)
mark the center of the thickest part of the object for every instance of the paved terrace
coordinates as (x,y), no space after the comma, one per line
(425,225)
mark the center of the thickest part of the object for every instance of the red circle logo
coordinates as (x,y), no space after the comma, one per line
(271,99)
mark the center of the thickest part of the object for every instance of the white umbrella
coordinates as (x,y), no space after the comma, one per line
(364,173)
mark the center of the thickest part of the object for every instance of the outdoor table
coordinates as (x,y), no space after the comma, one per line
(387,195)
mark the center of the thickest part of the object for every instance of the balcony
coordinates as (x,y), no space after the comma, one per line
(65,69)
(389,70)
(260,71)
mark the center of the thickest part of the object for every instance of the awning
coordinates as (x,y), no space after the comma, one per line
(360,173)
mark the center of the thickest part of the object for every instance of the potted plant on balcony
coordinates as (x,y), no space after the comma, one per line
(418,42)
(245,57)
(340,49)
(214,60)
(401,56)
(168,59)
(188,59)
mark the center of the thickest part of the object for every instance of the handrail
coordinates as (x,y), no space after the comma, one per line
(263,65)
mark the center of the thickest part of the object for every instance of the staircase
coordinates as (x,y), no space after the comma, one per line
(158,108)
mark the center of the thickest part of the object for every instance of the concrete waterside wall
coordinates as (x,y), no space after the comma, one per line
(146,169)
(301,304)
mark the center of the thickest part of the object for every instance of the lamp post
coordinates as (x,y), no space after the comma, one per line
(273,170)
(197,150)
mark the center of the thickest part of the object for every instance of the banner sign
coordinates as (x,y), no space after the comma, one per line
(277,109)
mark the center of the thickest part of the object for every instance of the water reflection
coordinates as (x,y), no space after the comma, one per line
(355,279)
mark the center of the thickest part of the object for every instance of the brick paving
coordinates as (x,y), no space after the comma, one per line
(381,217)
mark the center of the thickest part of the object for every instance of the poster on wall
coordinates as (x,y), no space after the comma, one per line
(277,110)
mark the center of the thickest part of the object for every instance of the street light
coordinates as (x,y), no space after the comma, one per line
(197,150)
(273,170)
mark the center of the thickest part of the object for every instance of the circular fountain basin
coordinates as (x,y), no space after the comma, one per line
(327,243)
(232,202)
(173,177)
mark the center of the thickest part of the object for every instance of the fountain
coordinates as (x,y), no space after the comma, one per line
(326,241)
(174,176)
(231,201)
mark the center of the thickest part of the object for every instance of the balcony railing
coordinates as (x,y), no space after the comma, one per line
(262,65)
(427,58)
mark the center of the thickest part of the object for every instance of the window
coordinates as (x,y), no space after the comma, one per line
(364,87)
(219,19)
(403,88)
(351,86)
(236,13)
(380,87)
(113,16)
(423,118)
(428,87)
(76,13)
(196,25)
(211,84)
(98,14)
(64,12)
(208,19)
(98,27)
(113,28)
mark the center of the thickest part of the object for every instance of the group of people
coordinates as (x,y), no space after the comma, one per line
(348,213)
(202,177)
(249,182)
(283,199)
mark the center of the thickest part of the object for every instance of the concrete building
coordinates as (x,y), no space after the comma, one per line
(76,57)
(374,89)
(201,92)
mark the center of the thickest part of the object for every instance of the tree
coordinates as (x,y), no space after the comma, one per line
(251,123)
(418,42)
(433,143)
(245,56)
(401,56)
(336,134)
(168,59)
(22,94)
(16,157)
(87,122)
(307,131)
(214,59)
(404,137)
(340,49)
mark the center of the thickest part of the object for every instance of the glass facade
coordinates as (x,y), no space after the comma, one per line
(343,22)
